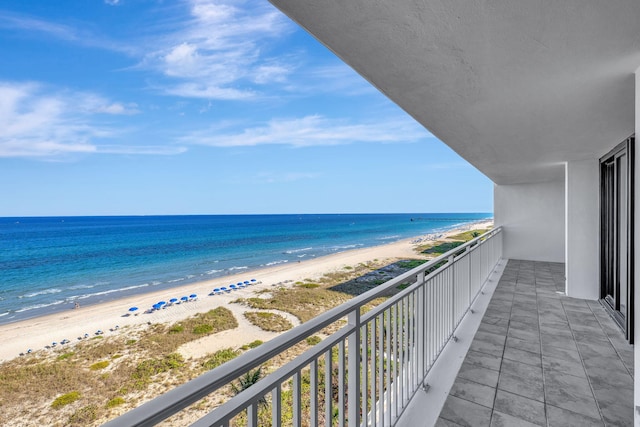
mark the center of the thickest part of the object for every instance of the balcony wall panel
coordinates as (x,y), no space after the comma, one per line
(533,219)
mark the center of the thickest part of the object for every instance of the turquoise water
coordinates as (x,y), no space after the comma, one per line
(48,264)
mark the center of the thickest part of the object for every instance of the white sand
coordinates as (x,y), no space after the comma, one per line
(39,332)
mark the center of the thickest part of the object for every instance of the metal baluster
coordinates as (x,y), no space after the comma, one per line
(353,382)
(276,405)
(297,407)
(313,397)
(328,390)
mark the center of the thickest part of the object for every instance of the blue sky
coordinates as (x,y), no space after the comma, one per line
(116,107)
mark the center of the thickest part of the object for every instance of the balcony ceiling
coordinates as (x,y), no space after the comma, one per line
(516,87)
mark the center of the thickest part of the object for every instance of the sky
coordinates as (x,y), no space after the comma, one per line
(143,107)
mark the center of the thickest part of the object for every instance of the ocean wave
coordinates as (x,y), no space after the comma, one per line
(302,256)
(294,251)
(395,236)
(4,314)
(244,267)
(176,280)
(111,291)
(337,248)
(214,271)
(37,306)
(281,261)
(43,292)
(74,288)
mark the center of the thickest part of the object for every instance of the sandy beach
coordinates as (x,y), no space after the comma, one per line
(114,318)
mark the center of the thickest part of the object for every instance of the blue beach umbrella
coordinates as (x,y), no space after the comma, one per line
(224,289)
(132,309)
(234,287)
(162,302)
(239,283)
(172,300)
(193,296)
(253,280)
(185,298)
(246,282)
(216,290)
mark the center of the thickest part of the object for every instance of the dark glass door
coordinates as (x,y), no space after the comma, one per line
(616,230)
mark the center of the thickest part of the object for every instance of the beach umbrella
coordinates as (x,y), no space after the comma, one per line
(185,298)
(162,302)
(253,280)
(224,289)
(216,290)
(132,309)
(239,283)
(246,282)
(193,296)
(234,287)
(172,300)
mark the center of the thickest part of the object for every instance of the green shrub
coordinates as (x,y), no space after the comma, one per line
(313,340)
(65,399)
(309,285)
(251,345)
(65,356)
(99,365)
(116,401)
(176,329)
(220,357)
(202,329)
(131,342)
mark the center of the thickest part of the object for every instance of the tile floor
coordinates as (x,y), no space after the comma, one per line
(540,358)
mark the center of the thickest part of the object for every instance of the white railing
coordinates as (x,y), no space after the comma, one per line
(362,375)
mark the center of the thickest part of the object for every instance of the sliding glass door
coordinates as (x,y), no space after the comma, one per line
(616,270)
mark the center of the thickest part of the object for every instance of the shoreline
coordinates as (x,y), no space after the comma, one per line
(112,317)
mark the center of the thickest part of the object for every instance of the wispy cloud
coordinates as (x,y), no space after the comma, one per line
(220,51)
(112,2)
(37,121)
(34,26)
(312,131)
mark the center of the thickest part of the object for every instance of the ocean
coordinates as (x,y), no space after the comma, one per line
(47,264)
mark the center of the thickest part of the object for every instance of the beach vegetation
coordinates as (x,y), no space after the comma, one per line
(246,381)
(411,263)
(65,356)
(202,329)
(84,416)
(252,344)
(469,235)
(116,401)
(313,340)
(220,357)
(99,365)
(309,285)
(65,399)
(348,267)
(151,367)
(268,321)
(131,342)
(176,329)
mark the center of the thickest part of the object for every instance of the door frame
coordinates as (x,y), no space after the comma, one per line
(610,242)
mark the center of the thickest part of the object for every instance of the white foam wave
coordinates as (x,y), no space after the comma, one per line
(395,236)
(176,280)
(213,271)
(244,267)
(36,306)
(112,291)
(4,314)
(293,251)
(43,292)
(282,261)
(337,248)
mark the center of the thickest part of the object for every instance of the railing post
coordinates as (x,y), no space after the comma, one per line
(452,279)
(353,382)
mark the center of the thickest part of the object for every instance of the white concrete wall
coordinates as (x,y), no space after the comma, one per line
(533,218)
(583,229)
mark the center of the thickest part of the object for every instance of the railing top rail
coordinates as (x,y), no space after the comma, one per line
(165,405)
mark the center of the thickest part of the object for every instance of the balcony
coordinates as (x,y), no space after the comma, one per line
(538,356)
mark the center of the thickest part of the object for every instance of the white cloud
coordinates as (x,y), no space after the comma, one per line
(313,131)
(112,2)
(219,53)
(36,121)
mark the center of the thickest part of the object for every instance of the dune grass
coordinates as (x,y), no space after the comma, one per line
(268,321)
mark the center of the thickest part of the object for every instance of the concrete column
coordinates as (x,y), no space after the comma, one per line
(582,222)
